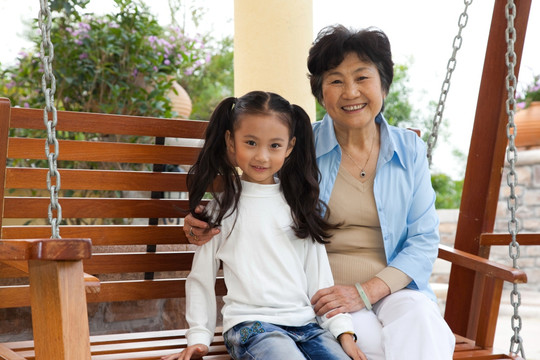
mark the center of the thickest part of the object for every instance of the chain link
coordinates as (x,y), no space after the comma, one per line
(48,85)
(437,119)
(516,342)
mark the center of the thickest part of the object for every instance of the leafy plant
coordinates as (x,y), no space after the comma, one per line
(120,63)
(530,93)
(448,191)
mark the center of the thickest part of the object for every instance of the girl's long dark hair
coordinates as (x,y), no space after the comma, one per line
(299,175)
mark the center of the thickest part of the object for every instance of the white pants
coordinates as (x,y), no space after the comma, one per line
(404,325)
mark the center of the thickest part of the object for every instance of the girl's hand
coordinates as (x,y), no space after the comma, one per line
(336,300)
(191,352)
(198,232)
(350,348)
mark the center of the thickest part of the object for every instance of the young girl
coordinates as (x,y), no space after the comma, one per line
(272,238)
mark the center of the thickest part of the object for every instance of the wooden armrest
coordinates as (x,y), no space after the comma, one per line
(92,285)
(45,249)
(484,266)
(505,239)
(22,249)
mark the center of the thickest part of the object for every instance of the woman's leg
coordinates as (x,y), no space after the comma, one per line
(368,329)
(413,328)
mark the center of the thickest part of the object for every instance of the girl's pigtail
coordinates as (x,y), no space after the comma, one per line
(212,163)
(299,179)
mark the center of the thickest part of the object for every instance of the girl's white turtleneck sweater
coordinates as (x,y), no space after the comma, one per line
(270,274)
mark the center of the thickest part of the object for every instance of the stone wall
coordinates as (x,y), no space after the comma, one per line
(528,215)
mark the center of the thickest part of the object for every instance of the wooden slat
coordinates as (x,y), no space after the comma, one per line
(110,124)
(21,208)
(140,336)
(19,296)
(484,266)
(6,353)
(26,148)
(138,262)
(5,111)
(32,178)
(14,296)
(12,269)
(105,235)
(145,290)
(505,239)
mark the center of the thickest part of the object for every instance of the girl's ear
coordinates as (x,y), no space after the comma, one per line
(229,141)
(290,146)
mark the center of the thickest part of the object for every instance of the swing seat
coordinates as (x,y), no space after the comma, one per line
(121,247)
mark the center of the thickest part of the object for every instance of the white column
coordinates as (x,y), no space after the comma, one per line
(271,43)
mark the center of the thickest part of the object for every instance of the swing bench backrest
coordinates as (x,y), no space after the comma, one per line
(121,189)
(117,246)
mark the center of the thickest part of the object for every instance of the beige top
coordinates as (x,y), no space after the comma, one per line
(356,251)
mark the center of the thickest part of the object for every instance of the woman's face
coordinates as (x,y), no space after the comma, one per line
(352,93)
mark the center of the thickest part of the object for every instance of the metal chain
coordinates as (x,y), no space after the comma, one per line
(437,119)
(48,79)
(516,342)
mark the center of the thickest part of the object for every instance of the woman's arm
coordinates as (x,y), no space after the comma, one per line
(339,299)
(197,231)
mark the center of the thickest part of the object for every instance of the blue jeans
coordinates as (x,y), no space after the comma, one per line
(256,340)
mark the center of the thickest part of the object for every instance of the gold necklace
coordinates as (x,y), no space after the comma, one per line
(362,169)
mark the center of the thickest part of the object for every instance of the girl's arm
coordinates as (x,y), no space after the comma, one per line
(319,276)
(202,233)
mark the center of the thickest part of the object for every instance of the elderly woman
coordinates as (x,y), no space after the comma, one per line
(376,182)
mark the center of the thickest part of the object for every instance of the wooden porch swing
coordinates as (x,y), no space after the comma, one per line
(66,274)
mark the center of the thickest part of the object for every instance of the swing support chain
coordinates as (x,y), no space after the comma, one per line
(516,342)
(48,79)
(451,66)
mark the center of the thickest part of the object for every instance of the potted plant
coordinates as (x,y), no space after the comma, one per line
(527,118)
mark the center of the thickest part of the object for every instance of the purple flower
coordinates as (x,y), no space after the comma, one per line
(84,27)
(83,56)
(167,62)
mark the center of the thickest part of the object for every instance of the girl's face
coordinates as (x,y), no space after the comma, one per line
(259,146)
(352,93)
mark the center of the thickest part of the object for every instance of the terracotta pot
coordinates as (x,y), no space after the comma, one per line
(528,126)
(180,101)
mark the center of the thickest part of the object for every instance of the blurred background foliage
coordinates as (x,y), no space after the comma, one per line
(125,62)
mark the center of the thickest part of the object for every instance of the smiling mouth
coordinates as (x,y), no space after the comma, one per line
(353,107)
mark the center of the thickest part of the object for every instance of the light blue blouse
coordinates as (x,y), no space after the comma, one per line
(403,193)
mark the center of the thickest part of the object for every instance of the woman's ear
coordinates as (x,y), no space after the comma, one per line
(290,147)
(229,141)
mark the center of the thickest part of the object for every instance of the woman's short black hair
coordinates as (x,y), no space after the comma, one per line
(334,42)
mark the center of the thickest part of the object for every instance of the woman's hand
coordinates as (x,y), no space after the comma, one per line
(336,300)
(350,348)
(197,231)
(196,351)
(339,299)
